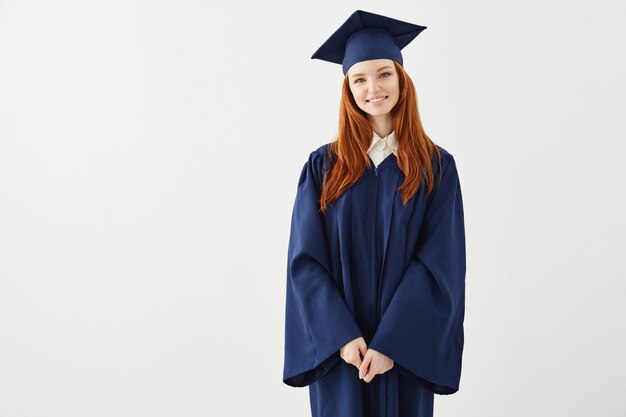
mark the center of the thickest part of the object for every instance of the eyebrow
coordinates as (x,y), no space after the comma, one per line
(381,68)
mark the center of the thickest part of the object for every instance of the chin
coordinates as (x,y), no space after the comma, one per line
(378,112)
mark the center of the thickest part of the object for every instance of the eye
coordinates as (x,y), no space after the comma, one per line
(384,73)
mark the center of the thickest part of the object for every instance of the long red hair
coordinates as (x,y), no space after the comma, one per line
(348,153)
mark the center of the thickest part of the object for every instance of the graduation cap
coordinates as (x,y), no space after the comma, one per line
(367,36)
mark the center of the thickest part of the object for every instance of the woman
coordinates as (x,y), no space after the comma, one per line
(376,260)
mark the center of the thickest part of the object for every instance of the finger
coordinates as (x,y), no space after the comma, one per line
(355,359)
(363,349)
(364,365)
(362,352)
(370,374)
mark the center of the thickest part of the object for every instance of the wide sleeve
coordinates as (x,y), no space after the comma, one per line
(422,327)
(317,320)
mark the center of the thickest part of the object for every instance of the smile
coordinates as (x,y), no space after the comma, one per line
(377,100)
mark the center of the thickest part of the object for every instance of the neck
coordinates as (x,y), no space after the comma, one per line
(382,124)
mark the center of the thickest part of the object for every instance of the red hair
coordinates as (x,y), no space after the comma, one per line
(348,153)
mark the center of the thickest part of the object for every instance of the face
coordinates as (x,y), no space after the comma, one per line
(371,81)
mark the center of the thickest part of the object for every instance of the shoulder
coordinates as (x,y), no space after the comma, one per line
(446,159)
(321,152)
(446,156)
(316,165)
(444,168)
(319,159)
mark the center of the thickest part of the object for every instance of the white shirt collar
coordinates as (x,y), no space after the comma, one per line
(390,139)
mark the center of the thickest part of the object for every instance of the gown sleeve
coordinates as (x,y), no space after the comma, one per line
(422,327)
(317,320)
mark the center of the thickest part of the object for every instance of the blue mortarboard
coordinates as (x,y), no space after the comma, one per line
(367,36)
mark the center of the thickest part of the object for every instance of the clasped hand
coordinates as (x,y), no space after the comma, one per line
(368,361)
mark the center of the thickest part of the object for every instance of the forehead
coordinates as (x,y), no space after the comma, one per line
(371,65)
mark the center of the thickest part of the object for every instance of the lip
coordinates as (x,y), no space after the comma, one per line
(378,103)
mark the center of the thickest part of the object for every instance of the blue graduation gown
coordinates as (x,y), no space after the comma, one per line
(375,268)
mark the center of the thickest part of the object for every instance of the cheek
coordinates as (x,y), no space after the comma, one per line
(359,95)
(393,87)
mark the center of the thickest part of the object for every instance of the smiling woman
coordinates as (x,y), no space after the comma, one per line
(375,295)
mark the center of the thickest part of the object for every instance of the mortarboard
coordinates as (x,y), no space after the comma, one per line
(367,36)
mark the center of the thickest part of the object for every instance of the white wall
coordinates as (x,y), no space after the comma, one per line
(149,155)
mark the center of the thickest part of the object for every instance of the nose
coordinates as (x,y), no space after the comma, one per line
(373,86)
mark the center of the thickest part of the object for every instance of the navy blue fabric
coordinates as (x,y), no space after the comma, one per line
(364,36)
(375,268)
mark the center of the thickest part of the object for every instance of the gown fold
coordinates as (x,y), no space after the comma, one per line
(318,321)
(422,327)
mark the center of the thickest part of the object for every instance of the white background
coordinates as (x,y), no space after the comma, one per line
(149,156)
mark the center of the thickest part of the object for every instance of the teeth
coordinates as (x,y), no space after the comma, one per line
(376,100)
